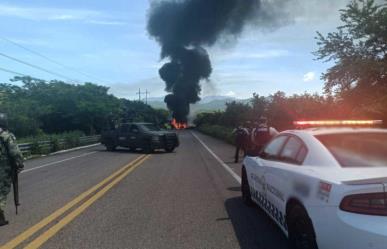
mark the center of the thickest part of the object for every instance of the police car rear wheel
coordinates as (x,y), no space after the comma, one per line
(246,195)
(301,232)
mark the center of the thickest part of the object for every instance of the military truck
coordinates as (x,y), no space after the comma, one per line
(145,136)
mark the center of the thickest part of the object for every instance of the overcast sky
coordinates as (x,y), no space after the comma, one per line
(106,42)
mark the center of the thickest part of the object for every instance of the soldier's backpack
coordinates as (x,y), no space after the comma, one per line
(261,136)
(240,136)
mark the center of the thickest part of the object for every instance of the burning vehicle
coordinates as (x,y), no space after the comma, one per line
(179,125)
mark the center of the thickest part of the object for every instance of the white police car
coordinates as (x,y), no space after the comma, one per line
(325,187)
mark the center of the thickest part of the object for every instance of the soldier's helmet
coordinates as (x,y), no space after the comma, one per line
(3,120)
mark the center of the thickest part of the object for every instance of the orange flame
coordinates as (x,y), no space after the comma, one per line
(178,126)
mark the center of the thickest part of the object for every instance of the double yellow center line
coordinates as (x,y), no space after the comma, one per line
(102,188)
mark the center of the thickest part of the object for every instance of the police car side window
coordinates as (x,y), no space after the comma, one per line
(294,151)
(273,149)
(302,154)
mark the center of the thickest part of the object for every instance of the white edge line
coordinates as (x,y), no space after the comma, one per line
(74,149)
(57,162)
(227,168)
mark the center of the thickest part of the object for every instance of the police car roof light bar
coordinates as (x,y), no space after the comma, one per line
(338,122)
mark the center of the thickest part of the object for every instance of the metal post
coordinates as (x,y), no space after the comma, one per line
(146,96)
(139,94)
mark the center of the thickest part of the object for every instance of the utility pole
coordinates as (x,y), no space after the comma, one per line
(139,95)
(146,96)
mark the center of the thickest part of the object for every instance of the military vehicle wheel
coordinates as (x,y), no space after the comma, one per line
(169,149)
(148,149)
(111,147)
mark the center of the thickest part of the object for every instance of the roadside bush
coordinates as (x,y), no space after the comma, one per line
(55,143)
(35,148)
(72,139)
(218,131)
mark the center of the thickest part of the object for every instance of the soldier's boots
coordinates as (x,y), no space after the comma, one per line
(3,222)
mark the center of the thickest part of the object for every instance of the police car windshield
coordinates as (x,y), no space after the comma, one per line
(357,149)
(151,127)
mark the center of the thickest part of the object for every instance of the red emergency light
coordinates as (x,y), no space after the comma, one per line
(337,123)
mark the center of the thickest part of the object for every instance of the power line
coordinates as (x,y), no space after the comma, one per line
(11,72)
(37,67)
(50,60)
(16,73)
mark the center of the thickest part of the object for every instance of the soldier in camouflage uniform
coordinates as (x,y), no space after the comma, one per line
(9,151)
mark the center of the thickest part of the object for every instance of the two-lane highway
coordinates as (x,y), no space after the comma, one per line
(96,199)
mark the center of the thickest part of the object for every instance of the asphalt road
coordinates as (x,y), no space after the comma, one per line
(92,198)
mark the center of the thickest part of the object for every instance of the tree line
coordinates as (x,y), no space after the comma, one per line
(35,106)
(355,86)
(281,110)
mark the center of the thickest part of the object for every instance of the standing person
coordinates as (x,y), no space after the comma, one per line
(262,134)
(241,134)
(11,160)
(249,126)
(248,145)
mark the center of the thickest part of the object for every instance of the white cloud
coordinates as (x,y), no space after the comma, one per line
(263,55)
(112,23)
(230,94)
(45,13)
(64,17)
(315,11)
(310,76)
(58,14)
(221,55)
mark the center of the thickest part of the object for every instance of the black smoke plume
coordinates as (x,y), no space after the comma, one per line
(183,28)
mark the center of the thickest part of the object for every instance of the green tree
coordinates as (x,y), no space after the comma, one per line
(259,106)
(359,51)
(38,106)
(236,113)
(279,113)
(136,111)
(161,116)
(208,118)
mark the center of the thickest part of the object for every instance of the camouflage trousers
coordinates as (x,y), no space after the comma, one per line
(5,188)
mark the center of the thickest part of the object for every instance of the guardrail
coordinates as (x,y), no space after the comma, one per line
(45,147)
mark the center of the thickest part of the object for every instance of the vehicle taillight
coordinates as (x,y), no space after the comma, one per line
(371,204)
